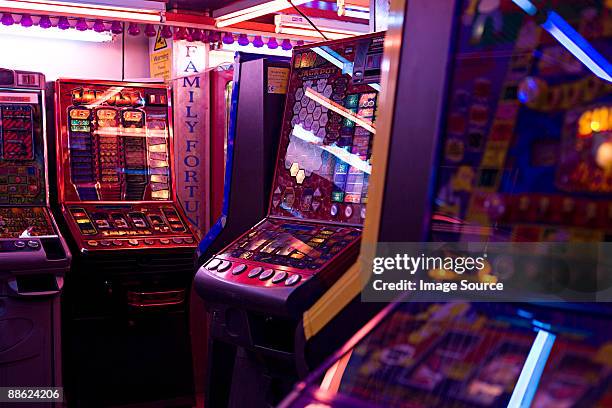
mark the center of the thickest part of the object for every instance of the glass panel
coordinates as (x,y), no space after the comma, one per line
(324,162)
(115,139)
(527,149)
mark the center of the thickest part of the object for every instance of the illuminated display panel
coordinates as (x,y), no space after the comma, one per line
(471,355)
(23,194)
(114,166)
(525,156)
(527,149)
(115,139)
(292,244)
(323,167)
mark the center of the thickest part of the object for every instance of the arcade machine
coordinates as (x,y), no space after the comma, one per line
(33,254)
(257,286)
(251,145)
(521,156)
(126,307)
(256,103)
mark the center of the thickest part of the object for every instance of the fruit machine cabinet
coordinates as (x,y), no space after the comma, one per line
(513,119)
(33,255)
(255,104)
(257,286)
(126,301)
(254,100)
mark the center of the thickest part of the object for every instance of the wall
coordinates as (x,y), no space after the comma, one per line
(76,59)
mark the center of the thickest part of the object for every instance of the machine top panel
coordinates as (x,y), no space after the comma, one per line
(114,141)
(323,165)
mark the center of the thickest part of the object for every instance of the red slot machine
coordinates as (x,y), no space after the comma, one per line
(257,286)
(118,201)
(115,147)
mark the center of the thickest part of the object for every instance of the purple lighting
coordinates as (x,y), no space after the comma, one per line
(133,29)
(63,23)
(45,22)
(258,42)
(272,43)
(228,38)
(26,21)
(286,44)
(243,40)
(7,19)
(81,25)
(116,28)
(214,37)
(150,30)
(166,32)
(180,33)
(196,34)
(98,26)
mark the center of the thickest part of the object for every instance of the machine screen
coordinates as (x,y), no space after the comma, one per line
(115,140)
(527,151)
(22,166)
(525,156)
(115,176)
(324,164)
(292,244)
(471,355)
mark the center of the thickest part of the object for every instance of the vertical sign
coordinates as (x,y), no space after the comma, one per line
(191,133)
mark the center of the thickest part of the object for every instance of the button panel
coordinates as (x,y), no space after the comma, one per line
(249,274)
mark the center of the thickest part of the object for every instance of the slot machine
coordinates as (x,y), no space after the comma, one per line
(509,122)
(253,112)
(126,299)
(252,120)
(258,285)
(33,255)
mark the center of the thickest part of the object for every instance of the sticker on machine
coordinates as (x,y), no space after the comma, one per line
(277,80)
